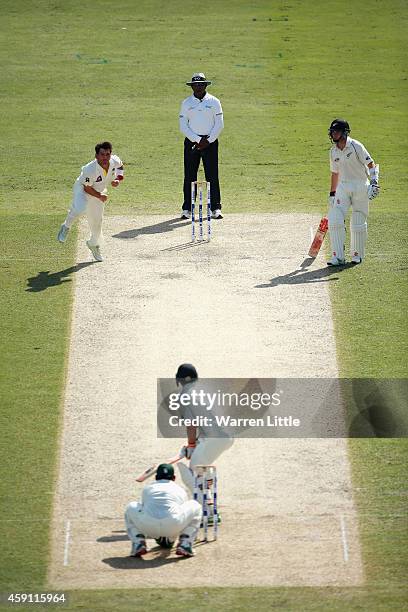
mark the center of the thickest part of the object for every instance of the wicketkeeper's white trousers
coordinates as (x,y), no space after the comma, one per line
(186,520)
(93,207)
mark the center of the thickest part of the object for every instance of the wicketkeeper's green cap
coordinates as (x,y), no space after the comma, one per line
(165,471)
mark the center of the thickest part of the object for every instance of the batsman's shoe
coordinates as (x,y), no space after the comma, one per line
(211,519)
(185,214)
(184,547)
(165,542)
(63,233)
(139,547)
(356,260)
(335,261)
(216,214)
(95,250)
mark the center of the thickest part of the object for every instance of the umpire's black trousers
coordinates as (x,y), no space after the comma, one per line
(192,159)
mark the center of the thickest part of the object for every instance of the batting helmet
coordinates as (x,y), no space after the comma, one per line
(339,125)
(186,372)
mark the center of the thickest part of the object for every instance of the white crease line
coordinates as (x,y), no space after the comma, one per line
(311,233)
(344,538)
(67,541)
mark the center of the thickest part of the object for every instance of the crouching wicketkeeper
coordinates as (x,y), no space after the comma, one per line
(164,514)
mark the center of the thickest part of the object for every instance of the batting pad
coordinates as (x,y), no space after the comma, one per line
(337,231)
(186,476)
(358,231)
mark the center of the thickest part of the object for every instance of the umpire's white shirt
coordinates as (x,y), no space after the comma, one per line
(351,162)
(93,175)
(201,118)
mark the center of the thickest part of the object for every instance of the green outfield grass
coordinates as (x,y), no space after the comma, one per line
(34,329)
(71,77)
(266,599)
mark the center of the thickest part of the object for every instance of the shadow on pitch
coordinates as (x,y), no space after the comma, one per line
(44,280)
(158,228)
(302,275)
(114,537)
(161,557)
(156,556)
(186,245)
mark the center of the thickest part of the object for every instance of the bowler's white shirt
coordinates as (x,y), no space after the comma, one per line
(350,163)
(93,175)
(163,498)
(201,117)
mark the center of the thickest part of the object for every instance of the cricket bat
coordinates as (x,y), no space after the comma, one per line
(153,469)
(319,237)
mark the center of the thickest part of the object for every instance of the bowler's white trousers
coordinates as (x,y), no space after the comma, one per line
(93,207)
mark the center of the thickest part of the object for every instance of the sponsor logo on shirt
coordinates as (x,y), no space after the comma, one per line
(98,180)
(348,154)
(87,180)
(367,158)
(337,159)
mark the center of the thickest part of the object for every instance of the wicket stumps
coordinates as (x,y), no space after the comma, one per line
(205,486)
(197,187)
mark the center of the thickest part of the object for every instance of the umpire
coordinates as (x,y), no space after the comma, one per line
(201,121)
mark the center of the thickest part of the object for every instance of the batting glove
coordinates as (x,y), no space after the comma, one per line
(373,189)
(188,450)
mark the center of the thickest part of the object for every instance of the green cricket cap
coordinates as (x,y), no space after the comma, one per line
(165,471)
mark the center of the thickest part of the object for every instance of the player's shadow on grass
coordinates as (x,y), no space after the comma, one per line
(44,280)
(158,228)
(300,276)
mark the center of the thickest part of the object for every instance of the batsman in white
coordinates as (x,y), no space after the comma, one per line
(354,181)
(91,193)
(200,448)
(164,514)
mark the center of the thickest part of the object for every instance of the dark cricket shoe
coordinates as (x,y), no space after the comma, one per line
(185,214)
